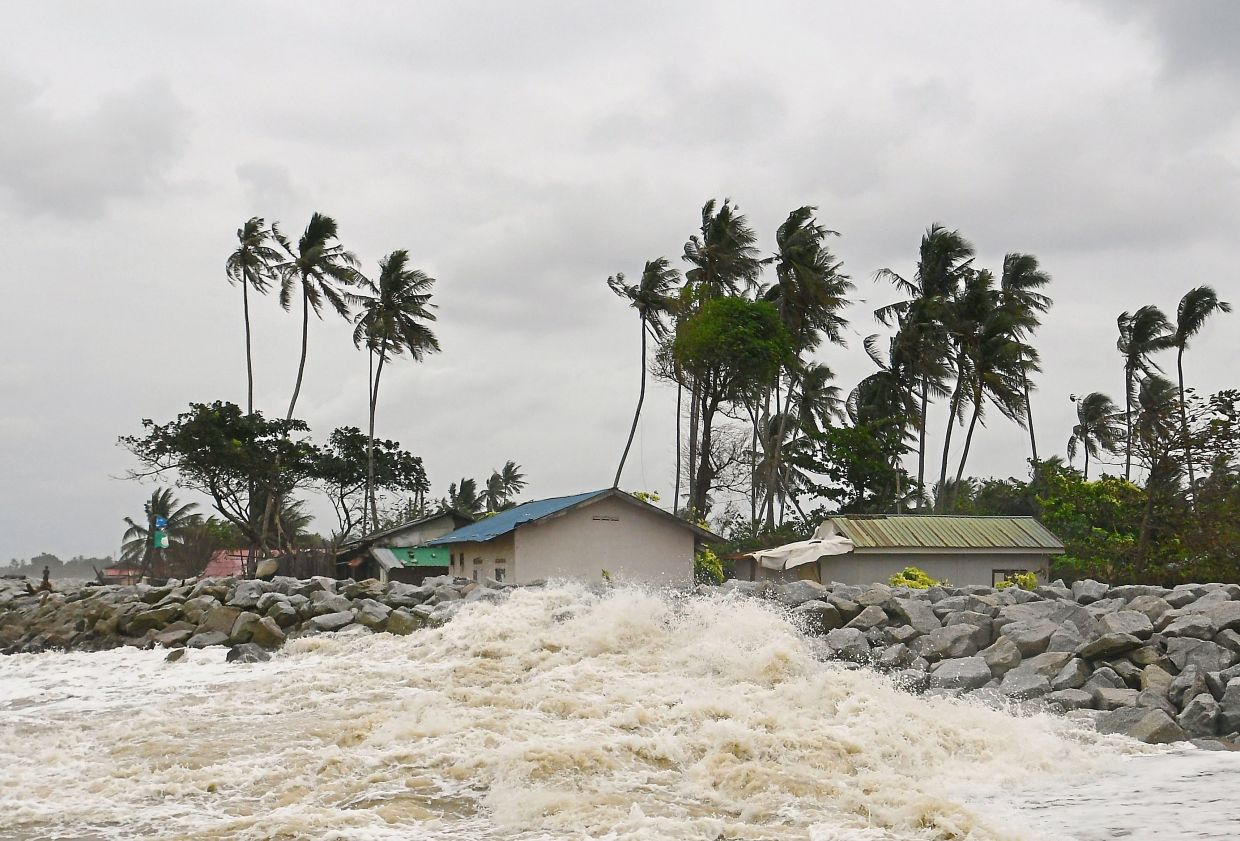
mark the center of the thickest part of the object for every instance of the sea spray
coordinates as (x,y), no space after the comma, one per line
(556,713)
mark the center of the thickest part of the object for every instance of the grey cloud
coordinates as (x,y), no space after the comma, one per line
(73,165)
(1197,36)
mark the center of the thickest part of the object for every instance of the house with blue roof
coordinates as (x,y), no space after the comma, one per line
(600,535)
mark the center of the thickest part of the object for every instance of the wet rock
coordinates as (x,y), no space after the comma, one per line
(173,639)
(849,644)
(1104,678)
(816,617)
(1127,670)
(323,602)
(246,652)
(894,656)
(960,674)
(402,622)
(156,617)
(220,618)
(1073,675)
(284,614)
(370,588)
(406,595)
(332,621)
(946,643)
(1024,683)
(1070,699)
(373,614)
(796,593)
(195,609)
(1108,645)
(175,655)
(266,633)
(1200,716)
(1106,698)
(202,639)
(246,594)
(1143,724)
(1126,622)
(1229,707)
(243,628)
(870,617)
(846,607)
(900,633)
(877,596)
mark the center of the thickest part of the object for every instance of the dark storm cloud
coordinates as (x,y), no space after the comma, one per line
(72,164)
(1192,37)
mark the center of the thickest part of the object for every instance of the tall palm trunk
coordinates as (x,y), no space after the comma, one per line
(249,359)
(921,435)
(1188,451)
(1033,439)
(1128,425)
(940,502)
(754,415)
(691,471)
(701,482)
(1086,461)
(968,439)
(370,443)
(305,339)
(641,396)
(773,487)
(680,390)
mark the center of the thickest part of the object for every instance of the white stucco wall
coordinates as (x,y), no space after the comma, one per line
(633,545)
(419,534)
(478,561)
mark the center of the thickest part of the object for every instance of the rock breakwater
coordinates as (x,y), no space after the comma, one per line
(1156,664)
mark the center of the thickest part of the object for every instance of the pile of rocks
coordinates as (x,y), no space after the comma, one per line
(1157,664)
(250,616)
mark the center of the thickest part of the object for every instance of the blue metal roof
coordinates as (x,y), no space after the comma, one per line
(489,528)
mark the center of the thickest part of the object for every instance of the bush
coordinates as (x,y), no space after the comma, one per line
(707,568)
(914,579)
(1023,580)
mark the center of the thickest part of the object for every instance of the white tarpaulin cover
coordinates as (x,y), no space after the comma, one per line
(824,542)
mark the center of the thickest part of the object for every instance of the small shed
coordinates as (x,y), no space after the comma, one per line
(396,554)
(594,536)
(960,549)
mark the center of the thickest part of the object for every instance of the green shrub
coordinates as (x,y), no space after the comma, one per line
(914,579)
(1023,580)
(707,568)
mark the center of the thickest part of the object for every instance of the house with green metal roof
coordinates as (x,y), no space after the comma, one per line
(867,549)
(397,553)
(599,535)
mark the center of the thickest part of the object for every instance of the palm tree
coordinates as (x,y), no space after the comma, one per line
(502,486)
(1195,307)
(945,260)
(1155,433)
(652,298)
(463,498)
(317,265)
(1019,285)
(1141,334)
(251,266)
(1097,427)
(136,542)
(391,322)
(887,398)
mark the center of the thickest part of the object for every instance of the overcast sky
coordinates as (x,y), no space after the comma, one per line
(522,152)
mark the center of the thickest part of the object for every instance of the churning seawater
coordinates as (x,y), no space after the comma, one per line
(563,714)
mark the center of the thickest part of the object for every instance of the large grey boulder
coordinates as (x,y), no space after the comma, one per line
(870,617)
(1072,676)
(246,594)
(1147,725)
(243,629)
(323,602)
(1112,699)
(1066,638)
(195,609)
(1088,591)
(1196,625)
(202,639)
(917,614)
(818,617)
(946,643)
(156,617)
(401,622)
(1229,639)
(796,593)
(1024,683)
(1205,655)
(1225,614)
(400,594)
(1229,708)
(283,613)
(1107,646)
(266,633)
(900,633)
(1183,594)
(1030,637)
(983,625)
(332,621)
(247,652)
(1200,716)
(219,618)
(373,614)
(1128,592)
(1154,607)
(880,595)
(1002,656)
(846,606)
(1153,676)
(1104,677)
(1126,622)
(1070,699)
(894,657)
(848,644)
(1187,685)
(960,674)
(1047,663)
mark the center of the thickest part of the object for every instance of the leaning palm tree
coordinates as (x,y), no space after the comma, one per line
(1141,334)
(251,265)
(502,486)
(652,298)
(1195,307)
(1097,427)
(1019,285)
(391,322)
(317,265)
(136,543)
(945,260)
(463,498)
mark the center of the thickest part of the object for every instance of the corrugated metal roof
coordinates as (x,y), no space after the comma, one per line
(420,556)
(926,531)
(490,528)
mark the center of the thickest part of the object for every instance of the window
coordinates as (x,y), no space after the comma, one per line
(606,518)
(500,573)
(477,574)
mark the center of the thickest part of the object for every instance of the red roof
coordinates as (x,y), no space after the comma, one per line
(226,563)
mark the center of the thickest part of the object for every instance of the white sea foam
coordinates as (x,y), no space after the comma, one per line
(556,714)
